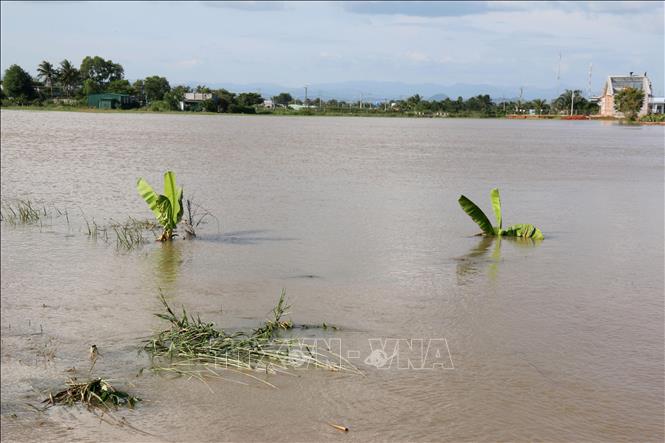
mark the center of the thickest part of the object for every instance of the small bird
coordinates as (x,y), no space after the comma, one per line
(94,353)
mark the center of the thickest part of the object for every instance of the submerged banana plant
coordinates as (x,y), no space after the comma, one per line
(478,216)
(167,207)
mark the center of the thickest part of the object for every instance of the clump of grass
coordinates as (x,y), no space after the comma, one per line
(128,235)
(96,393)
(193,347)
(21,213)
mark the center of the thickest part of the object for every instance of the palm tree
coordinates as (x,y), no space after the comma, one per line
(69,75)
(539,104)
(47,73)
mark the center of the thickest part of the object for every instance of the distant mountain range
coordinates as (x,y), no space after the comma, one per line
(370,91)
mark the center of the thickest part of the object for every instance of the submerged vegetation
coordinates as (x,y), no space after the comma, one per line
(96,393)
(128,235)
(22,212)
(478,216)
(167,207)
(195,348)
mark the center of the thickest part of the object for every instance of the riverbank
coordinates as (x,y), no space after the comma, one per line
(334,113)
(277,112)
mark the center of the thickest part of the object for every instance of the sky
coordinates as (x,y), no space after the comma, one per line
(296,43)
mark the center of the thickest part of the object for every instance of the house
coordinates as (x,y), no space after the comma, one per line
(657,105)
(194,100)
(268,104)
(110,100)
(616,83)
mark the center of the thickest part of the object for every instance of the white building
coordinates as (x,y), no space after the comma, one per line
(616,83)
(194,98)
(657,105)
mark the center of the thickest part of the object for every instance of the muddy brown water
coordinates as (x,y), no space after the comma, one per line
(357,218)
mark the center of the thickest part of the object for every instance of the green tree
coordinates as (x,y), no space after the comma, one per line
(18,84)
(90,87)
(69,76)
(225,100)
(47,73)
(101,72)
(175,96)
(155,87)
(203,89)
(629,101)
(249,99)
(564,101)
(283,98)
(120,87)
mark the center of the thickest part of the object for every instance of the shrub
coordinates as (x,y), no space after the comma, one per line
(159,106)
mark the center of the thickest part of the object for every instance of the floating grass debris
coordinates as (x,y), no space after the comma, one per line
(194,348)
(96,393)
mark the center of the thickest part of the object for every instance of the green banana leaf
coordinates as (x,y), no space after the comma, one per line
(174,194)
(477,215)
(178,216)
(496,207)
(523,231)
(150,197)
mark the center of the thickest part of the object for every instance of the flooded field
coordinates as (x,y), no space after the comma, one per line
(358,220)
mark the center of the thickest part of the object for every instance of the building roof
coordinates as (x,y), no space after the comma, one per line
(621,82)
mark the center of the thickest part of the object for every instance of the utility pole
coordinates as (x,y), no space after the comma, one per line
(305,95)
(572,102)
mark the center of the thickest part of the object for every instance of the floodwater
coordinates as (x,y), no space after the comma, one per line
(357,218)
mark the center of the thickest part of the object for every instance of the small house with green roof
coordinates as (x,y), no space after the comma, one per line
(111,100)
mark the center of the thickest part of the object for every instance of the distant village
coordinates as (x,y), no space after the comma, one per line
(101,84)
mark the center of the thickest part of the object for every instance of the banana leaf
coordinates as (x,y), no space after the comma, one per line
(174,194)
(496,207)
(150,197)
(477,215)
(523,231)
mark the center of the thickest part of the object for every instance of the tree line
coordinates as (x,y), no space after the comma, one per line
(65,82)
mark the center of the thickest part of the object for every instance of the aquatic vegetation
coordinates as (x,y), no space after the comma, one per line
(21,213)
(96,393)
(478,216)
(196,215)
(195,348)
(129,234)
(167,207)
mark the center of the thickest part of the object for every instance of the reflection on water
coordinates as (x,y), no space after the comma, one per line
(469,265)
(166,260)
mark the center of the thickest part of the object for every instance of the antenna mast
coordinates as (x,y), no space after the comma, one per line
(589,86)
(558,77)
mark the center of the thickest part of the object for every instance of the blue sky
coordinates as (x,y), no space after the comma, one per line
(291,44)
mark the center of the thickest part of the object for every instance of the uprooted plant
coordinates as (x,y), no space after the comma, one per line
(96,393)
(194,348)
(478,216)
(167,207)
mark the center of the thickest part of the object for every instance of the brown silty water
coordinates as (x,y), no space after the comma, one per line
(357,218)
